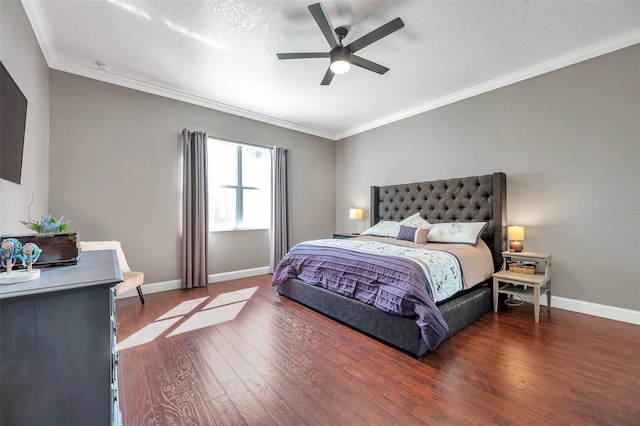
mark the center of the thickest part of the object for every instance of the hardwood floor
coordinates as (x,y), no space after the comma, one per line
(236,353)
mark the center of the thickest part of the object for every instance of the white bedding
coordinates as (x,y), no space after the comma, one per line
(449,268)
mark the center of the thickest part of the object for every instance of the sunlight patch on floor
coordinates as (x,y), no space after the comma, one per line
(182,318)
(209,317)
(231,297)
(148,333)
(183,308)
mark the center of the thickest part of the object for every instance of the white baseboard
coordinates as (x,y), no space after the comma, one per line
(234,275)
(589,308)
(213,278)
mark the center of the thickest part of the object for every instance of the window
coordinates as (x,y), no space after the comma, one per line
(239,186)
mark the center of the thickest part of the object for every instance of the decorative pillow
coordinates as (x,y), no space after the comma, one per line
(384,228)
(415,221)
(417,235)
(456,232)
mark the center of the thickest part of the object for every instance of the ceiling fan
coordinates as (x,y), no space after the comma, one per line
(342,57)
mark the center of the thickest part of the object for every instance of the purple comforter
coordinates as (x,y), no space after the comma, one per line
(390,283)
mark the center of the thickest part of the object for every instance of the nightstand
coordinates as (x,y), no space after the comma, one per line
(345,236)
(521,284)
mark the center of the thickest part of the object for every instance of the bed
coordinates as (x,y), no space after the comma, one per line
(468,199)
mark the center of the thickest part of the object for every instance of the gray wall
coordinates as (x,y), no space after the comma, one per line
(21,55)
(116,173)
(569,142)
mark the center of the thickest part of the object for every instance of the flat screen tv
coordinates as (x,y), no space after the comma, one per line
(13,119)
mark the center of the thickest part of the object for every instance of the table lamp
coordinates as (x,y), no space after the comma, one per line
(355,214)
(515,234)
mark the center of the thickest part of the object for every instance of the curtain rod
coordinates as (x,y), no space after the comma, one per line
(237,142)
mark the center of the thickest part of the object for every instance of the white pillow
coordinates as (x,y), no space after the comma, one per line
(456,232)
(384,228)
(416,221)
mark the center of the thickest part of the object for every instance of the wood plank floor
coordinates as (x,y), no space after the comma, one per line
(236,353)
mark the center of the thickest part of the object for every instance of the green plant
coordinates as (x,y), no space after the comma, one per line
(47,225)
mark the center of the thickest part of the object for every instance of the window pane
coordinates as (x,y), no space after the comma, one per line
(223,163)
(239,202)
(222,208)
(256,167)
(257,208)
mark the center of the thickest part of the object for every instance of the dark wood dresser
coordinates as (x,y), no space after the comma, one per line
(58,345)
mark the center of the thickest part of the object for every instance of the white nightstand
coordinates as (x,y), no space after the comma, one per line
(515,283)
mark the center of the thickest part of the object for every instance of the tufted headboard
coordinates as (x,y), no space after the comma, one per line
(474,198)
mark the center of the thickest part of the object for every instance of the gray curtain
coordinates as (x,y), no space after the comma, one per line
(195,210)
(279,236)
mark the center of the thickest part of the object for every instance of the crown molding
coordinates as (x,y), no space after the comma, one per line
(171,93)
(38,23)
(572,58)
(41,30)
(36,18)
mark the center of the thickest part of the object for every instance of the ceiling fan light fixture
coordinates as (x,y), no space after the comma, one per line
(340,66)
(340,60)
(342,57)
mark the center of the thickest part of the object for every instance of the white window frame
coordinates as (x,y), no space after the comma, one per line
(239,188)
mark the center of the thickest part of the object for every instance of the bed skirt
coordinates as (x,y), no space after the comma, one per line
(397,331)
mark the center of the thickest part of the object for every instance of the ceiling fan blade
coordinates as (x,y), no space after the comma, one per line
(320,15)
(303,55)
(375,35)
(368,65)
(327,77)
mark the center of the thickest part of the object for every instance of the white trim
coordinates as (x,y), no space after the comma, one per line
(38,23)
(234,275)
(590,52)
(213,278)
(152,288)
(590,308)
(36,18)
(173,93)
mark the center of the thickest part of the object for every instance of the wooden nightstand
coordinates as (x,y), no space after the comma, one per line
(345,236)
(515,283)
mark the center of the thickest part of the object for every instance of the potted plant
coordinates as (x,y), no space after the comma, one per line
(58,244)
(47,225)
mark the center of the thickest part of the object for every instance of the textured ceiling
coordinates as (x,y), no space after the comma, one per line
(222,54)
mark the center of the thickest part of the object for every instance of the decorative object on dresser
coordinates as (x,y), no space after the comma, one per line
(515,234)
(58,346)
(515,283)
(12,250)
(57,245)
(355,215)
(475,198)
(57,249)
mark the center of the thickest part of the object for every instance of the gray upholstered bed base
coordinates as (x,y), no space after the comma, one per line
(400,332)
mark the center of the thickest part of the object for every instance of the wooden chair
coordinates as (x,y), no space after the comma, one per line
(131,279)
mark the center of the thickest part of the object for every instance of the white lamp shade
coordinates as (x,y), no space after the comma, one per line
(515,233)
(356,213)
(340,66)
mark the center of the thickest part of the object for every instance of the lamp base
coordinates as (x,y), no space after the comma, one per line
(515,246)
